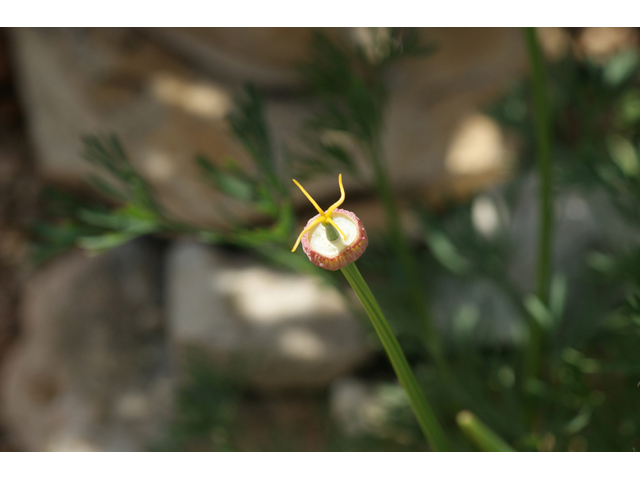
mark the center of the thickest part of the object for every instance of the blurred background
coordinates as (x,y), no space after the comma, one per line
(148,296)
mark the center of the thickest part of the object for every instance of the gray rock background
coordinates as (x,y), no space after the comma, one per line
(273,329)
(92,369)
(166,93)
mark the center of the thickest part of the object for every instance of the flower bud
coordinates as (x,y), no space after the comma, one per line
(333,255)
(334,238)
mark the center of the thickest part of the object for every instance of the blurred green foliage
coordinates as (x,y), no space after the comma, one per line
(206,409)
(586,397)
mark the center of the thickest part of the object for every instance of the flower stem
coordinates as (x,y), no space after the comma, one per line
(533,355)
(480,434)
(424,413)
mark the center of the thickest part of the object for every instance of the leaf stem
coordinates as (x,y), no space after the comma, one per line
(533,355)
(476,431)
(424,413)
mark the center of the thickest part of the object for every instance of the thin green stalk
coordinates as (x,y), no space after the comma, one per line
(403,253)
(424,413)
(533,355)
(476,431)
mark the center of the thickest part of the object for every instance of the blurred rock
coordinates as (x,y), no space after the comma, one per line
(477,146)
(91,370)
(434,98)
(283,423)
(271,328)
(266,56)
(360,408)
(19,191)
(583,222)
(476,311)
(600,43)
(166,93)
(93,81)
(555,42)
(348,399)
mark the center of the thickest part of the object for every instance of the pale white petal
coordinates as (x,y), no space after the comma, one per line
(318,237)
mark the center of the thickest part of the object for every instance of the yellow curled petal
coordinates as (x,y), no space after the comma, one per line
(320,211)
(330,220)
(315,222)
(339,202)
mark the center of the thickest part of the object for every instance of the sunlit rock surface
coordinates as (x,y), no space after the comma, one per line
(271,328)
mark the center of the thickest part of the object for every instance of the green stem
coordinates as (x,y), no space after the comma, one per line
(533,356)
(424,413)
(480,434)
